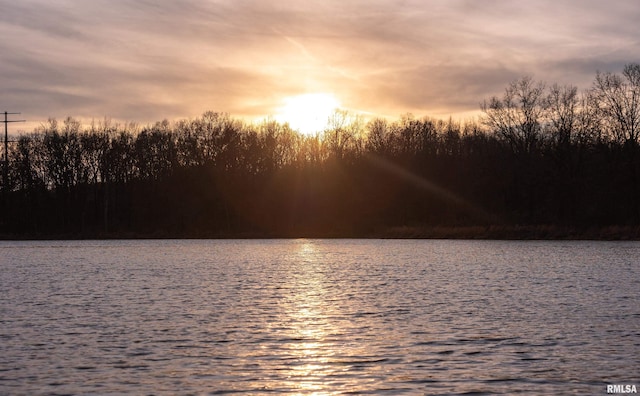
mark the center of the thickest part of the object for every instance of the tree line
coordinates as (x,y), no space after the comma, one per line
(539,155)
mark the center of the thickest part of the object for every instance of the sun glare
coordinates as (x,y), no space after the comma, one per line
(307,113)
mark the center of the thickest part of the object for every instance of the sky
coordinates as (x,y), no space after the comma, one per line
(149,60)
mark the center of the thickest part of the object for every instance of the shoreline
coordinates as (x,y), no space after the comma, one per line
(494,232)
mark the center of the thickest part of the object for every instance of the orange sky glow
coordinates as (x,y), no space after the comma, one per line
(145,61)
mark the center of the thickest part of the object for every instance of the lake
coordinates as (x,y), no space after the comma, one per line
(318,317)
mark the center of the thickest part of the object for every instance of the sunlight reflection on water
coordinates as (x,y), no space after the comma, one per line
(307,311)
(318,317)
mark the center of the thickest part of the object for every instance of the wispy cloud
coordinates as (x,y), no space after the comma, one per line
(147,60)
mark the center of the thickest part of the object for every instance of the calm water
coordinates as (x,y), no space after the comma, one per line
(318,317)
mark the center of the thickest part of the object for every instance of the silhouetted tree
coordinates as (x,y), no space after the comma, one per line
(539,156)
(518,116)
(617,99)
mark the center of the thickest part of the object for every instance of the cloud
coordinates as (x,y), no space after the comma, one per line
(148,60)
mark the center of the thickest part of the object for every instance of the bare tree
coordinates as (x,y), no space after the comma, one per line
(562,114)
(344,134)
(617,99)
(378,135)
(518,116)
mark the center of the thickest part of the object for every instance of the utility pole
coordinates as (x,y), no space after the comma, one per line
(5,173)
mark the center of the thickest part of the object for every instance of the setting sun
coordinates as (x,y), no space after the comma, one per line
(307,113)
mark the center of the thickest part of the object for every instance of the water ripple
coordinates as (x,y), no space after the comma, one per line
(318,317)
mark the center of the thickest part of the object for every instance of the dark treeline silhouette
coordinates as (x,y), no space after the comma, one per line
(540,156)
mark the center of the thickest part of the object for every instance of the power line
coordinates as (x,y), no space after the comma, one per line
(5,178)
